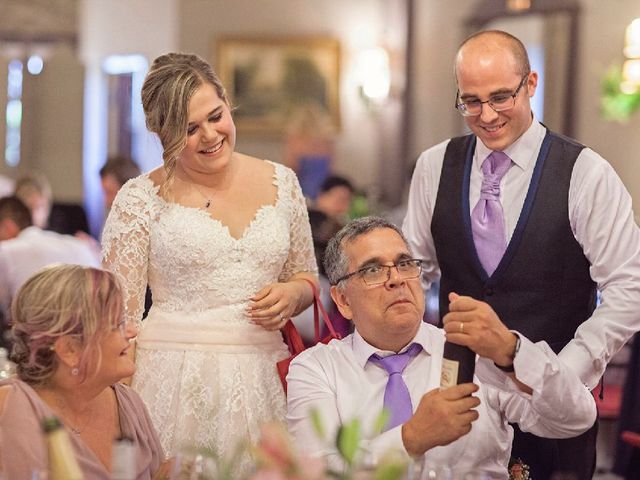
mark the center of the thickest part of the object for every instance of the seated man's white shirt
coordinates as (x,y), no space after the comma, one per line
(6,186)
(34,249)
(338,381)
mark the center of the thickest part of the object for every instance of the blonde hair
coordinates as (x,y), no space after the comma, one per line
(168,87)
(311,120)
(62,300)
(31,183)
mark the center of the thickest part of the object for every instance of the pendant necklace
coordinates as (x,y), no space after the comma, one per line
(208,201)
(63,406)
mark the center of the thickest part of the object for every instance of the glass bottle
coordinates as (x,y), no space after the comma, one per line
(6,366)
(123,459)
(62,459)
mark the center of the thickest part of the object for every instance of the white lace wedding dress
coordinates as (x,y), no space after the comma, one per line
(206,374)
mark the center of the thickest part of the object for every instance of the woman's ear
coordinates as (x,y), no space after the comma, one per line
(69,350)
(341,301)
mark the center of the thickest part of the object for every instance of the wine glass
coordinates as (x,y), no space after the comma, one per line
(193,466)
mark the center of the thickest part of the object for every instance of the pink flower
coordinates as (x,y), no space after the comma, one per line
(268,475)
(277,459)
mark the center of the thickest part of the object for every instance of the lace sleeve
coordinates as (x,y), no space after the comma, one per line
(125,243)
(301,253)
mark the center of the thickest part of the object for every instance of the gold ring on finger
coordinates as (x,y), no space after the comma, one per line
(461,327)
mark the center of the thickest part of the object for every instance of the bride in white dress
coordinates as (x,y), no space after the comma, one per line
(223,241)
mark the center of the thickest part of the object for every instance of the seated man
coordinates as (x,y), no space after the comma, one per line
(375,283)
(26,248)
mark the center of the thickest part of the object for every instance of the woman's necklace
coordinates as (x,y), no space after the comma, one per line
(207,200)
(62,406)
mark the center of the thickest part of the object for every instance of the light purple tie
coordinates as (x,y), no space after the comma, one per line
(487,218)
(396,394)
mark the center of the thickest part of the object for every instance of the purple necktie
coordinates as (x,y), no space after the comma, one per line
(396,394)
(487,218)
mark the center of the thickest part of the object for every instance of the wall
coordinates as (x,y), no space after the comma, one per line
(51,133)
(438,32)
(52,107)
(110,27)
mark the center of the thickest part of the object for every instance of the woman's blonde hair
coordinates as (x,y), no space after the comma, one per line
(60,300)
(168,87)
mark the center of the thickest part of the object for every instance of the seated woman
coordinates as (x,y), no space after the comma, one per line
(70,349)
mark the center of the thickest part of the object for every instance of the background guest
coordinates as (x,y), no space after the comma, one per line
(6,186)
(309,146)
(26,248)
(34,190)
(116,171)
(70,350)
(327,215)
(223,240)
(328,212)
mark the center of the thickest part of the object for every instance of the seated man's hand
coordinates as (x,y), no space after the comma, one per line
(474,324)
(442,417)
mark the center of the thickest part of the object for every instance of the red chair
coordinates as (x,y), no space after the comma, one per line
(609,406)
(632,438)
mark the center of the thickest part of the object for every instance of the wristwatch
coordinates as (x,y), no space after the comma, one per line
(509,368)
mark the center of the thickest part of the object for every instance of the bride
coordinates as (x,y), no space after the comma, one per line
(223,240)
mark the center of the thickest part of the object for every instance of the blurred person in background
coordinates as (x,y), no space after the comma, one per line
(34,190)
(26,248)
(6,186)
(329,212)
(327,215)
(116,171)
(310,146)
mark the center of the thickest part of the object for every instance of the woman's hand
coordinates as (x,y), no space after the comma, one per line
(276,303)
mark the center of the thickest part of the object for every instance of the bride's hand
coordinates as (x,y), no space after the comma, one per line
(276,303)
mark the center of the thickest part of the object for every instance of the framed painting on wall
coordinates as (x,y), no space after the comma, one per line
(269,78)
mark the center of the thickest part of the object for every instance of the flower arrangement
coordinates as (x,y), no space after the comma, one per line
(276,458)
(518,470)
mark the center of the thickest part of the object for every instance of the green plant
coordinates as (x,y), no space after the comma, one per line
(275,457)
(617,105)
(348,442)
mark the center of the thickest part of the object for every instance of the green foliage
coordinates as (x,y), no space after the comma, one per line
(359,206)
(348,441)
(381,421)
(317,423)
(617,105)
(392,470)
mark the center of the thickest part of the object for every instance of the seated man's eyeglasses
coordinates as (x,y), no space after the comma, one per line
(499,102)
(375,274)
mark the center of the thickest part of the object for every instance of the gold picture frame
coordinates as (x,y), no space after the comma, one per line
(268,78)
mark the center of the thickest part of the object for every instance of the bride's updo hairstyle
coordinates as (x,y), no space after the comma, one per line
(168,87)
